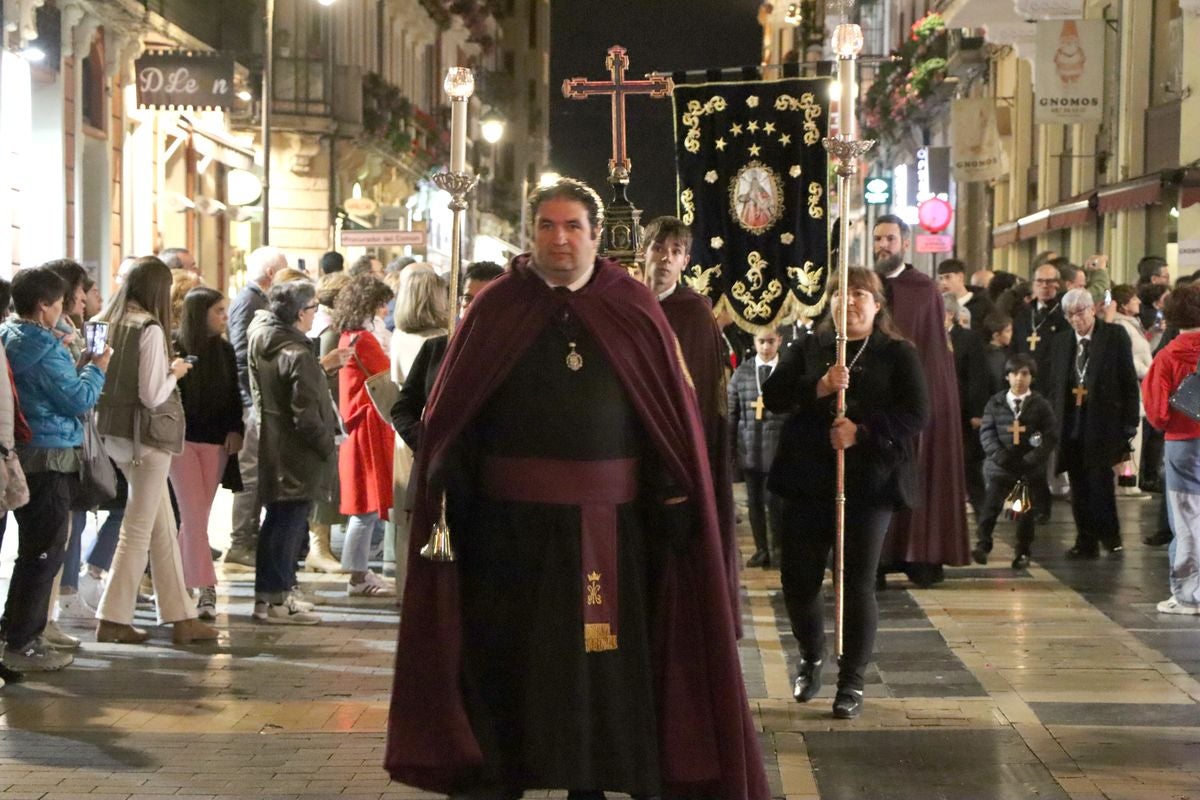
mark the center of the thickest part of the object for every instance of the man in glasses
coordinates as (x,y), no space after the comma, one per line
(1042,318)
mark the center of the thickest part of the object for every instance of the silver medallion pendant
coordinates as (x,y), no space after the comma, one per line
(574,360)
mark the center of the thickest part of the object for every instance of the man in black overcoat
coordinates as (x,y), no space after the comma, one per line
(1094,391)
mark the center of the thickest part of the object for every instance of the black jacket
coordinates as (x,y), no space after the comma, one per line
(407,410)
(211,403)
(887,398)
(1110,413)
(1028,457)
(980,305)
(1048,323)
(296,419)
(241,313)
(970,367)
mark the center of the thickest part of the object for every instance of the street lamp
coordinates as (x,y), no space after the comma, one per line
(268,89)
(491,126)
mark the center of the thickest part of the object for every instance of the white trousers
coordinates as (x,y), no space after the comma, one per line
(147,533)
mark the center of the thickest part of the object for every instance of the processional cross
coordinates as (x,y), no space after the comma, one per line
(617,87)
(1016,429)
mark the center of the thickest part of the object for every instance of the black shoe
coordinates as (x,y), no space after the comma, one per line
(1081,553)
(1158,539)
(1021,561)
(10,675)
(808,682)
(1117,551)
(847,704)
(979,555)
(759,559)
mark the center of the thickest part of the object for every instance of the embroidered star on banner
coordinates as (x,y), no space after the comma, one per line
(787,238)
(716,242)
(785,140)
(752,126)
(752,101)
(735,129)
(720,144)
(795,171)
(754,149)
(710,176)
(769,128)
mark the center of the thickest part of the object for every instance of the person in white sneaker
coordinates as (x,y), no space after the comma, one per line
(298,426)
(1174,364)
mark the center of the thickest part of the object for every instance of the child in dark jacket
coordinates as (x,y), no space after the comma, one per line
(1019,432)
(756,434)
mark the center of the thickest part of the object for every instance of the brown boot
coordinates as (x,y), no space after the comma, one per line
(320,555)
(187,631)
(116,633)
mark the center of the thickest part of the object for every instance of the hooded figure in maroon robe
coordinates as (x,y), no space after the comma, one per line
(934,533)
(583,639)
(668,245)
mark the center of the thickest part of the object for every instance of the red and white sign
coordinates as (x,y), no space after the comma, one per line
(935,214)
(934,243)
(378,238)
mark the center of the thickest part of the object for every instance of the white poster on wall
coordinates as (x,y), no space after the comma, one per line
(1069,86)
(1189,255)
(975,143)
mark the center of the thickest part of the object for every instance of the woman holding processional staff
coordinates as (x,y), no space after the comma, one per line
(886,408)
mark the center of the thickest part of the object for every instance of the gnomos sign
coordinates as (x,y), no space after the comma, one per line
(180,80)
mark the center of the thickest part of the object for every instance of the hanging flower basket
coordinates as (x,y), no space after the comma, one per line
(901,96)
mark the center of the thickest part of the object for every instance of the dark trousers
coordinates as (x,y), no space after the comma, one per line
(999,484)
(973,457)
(808,538)
(1093,500)
(765,515)
(44,524)
(283,530)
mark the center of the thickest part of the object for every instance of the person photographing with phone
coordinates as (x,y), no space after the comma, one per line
(142,421)
(213,433)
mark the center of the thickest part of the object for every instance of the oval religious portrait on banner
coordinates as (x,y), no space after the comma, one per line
(756,197)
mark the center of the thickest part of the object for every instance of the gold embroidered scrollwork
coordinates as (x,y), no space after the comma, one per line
(760,308)
(808,278)
(691,120)
(815,192)
(700,281)
(688,198)
(812,112)
(755,273)
(594,597)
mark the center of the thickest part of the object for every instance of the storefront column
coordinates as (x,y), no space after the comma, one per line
(1189,113)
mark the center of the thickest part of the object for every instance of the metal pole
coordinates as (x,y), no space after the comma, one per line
(847,41)
(268,88)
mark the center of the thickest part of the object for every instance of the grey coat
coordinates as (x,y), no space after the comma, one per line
(756,440)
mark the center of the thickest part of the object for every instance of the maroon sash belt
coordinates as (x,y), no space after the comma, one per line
(597,487)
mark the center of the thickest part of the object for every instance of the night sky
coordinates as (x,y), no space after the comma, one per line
(665,35)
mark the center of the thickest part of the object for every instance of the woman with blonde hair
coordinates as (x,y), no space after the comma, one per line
(142,421)
(182,282)
(422,311)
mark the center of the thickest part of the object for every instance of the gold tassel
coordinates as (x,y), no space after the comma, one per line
(598,637)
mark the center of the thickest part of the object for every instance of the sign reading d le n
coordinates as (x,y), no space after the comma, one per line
(180,80)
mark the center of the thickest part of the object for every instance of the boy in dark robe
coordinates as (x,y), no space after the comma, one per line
(583,639)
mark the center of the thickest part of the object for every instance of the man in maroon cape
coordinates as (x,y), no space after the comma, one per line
(934,532)
(668,244)
(583,638)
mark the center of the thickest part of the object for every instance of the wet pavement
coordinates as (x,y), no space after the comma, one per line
(1058,681)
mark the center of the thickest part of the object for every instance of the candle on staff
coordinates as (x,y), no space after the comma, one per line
(460,85)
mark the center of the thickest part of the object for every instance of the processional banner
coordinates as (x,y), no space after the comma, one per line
(752,184)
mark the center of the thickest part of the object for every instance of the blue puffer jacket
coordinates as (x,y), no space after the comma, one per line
(53,395)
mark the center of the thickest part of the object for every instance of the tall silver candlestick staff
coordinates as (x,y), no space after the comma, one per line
(847,149)
(459,85)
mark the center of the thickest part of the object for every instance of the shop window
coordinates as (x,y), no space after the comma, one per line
(94,104)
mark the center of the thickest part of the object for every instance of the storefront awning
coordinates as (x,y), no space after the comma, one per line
(1073,213)
(1189,188)
(218,145)
(1136,193)
(1034,224)
(1004,235)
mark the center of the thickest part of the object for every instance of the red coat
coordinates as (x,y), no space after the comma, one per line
(1168,369)
(365,458)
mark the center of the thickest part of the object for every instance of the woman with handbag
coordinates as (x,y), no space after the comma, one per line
(365,458)
(212,411)
(142,421)
(54,391)
(1171,398)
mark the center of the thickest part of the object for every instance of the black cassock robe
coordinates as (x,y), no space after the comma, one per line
(524,663)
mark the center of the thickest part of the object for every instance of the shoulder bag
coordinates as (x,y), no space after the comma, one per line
(382,390)
(97,478)
(1186,397)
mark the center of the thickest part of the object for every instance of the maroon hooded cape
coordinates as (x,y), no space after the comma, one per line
(935,531)
(708,741)
(690,316)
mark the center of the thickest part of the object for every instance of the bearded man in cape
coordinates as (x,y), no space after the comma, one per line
(584,638)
